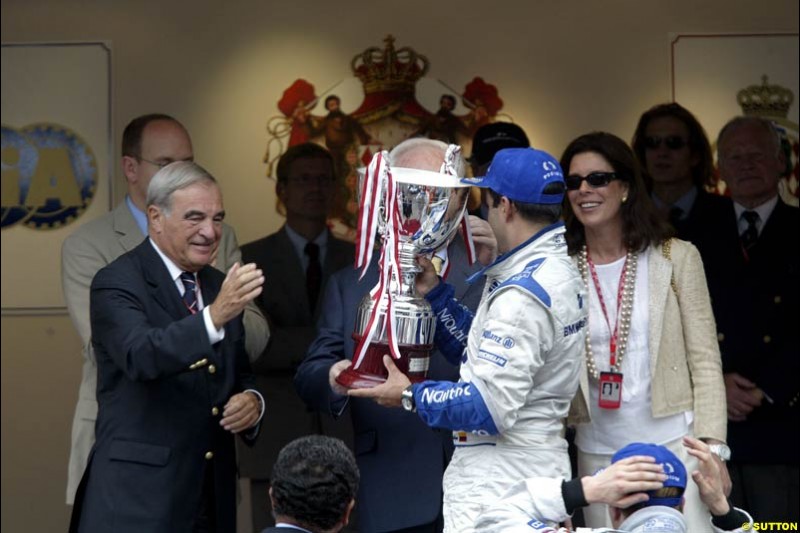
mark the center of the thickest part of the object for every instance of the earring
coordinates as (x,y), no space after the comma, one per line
(624,198)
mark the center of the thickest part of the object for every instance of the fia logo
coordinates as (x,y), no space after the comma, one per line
(49,176)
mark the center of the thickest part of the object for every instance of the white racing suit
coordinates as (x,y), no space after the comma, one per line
(520,359)
(530,505)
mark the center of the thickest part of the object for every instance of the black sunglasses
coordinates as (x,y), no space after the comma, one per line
(595,179)
(673,142)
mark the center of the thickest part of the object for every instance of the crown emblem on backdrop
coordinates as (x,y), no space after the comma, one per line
(765,100)
(389,69)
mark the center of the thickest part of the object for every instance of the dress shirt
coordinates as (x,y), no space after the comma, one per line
(139,216)
(684,203)
(764,211)
(299,245)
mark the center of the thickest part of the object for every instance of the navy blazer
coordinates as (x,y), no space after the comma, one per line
(755,301)
(162,387)
(400,458)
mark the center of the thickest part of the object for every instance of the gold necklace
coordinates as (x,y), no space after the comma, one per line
(624,314)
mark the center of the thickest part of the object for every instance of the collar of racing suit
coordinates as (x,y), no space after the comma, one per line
(549,240)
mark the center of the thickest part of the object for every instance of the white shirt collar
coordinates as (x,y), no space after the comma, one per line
(174,270)
(299,245)
(764,211)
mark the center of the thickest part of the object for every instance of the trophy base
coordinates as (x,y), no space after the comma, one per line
(414,361)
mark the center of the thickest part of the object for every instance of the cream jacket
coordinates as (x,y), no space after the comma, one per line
(684,354)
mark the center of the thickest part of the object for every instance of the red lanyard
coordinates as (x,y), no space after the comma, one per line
(612,343)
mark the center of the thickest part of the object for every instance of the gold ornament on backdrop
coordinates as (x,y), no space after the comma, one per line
(389,113)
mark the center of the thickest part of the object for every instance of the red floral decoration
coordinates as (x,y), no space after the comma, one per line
(299,91)
(478,92)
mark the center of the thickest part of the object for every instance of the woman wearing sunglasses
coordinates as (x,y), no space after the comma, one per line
(676,159)
(652,368)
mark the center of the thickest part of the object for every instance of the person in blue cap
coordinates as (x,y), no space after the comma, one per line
(519,353)
(643,488)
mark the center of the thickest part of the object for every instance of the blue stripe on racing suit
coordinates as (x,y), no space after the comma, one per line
(456,406)
(453,322)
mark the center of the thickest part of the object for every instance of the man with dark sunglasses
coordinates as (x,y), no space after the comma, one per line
(675,155)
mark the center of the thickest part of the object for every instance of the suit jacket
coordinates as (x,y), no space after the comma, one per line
(699,226)
(162,387)
(686,371)
(400,458)
(756,306)
(284,302)
(87,250)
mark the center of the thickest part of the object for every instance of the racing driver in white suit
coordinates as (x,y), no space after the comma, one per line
(520,353)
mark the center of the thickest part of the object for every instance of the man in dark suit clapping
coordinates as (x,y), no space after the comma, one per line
(174,382)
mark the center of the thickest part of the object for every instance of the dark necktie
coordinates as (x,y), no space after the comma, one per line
(750,234)
(313,274)
(190,292)
(675,214)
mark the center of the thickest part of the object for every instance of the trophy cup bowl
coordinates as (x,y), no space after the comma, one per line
(430,207)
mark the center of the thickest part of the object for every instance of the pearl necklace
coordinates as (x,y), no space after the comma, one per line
(623,315)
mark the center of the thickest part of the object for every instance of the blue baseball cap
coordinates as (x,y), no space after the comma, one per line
(673,468)
(521,174)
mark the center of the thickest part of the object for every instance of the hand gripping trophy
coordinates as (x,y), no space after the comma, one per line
(415,212)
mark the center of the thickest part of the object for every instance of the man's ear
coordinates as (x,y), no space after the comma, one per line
(507,208)
(348,511)
(129,167)
(155,219)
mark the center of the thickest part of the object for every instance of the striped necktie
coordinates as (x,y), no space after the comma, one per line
(190,292)
(750,234)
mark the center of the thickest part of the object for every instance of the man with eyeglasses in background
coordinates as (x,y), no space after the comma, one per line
(297,260)
(753,281)
(149,143)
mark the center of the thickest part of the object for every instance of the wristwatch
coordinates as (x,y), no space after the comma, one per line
(407,399)
(720,450)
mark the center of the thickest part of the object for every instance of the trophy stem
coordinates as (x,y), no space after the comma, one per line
(408,272)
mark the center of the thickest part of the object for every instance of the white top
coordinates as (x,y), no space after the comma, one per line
(611,429)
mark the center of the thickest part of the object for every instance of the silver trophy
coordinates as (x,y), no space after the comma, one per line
(413,212)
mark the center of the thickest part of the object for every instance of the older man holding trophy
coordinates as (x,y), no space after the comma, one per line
(519,353)
(401,459)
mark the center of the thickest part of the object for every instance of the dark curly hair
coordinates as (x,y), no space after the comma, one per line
(313,481)
(641,224)
(698,142)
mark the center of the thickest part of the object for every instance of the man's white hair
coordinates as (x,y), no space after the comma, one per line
(174,177)
(423,154)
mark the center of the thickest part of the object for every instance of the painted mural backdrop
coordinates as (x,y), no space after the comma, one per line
(388,113)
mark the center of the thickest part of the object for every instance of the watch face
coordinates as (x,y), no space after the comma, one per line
(406,403)
(721,450)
